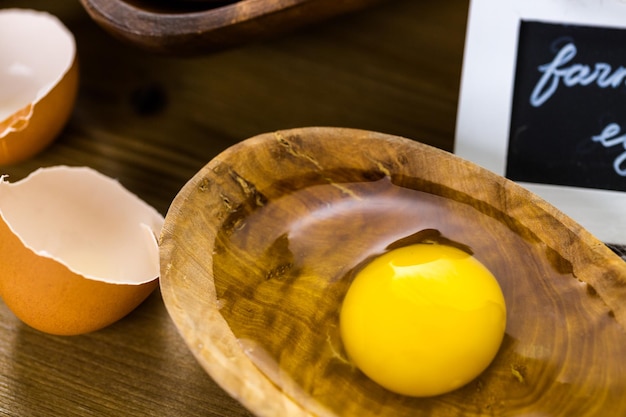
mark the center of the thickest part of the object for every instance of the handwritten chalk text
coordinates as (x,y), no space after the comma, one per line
(555,74)
(609,138)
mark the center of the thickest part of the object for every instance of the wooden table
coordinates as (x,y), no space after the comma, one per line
(153,121)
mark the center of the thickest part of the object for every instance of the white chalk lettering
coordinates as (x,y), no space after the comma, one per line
(609,138)
(555,74)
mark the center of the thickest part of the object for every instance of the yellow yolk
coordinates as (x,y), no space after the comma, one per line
(423,320)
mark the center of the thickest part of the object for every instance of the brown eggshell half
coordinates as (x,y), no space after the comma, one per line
(78,251)
(39,77)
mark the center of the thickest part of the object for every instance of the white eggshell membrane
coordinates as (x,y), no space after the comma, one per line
(85,221)
(36,50)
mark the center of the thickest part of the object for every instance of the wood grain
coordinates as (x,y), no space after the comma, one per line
(153,121)
(259,247)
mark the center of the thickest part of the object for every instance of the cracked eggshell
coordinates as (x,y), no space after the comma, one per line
(38,81)
(77,250)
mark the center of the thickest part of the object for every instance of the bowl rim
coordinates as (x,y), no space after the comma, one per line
(214,28)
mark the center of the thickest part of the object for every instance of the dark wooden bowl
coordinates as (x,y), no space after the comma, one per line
(193,27)
(258,248)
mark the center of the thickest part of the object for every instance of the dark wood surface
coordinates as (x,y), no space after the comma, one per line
(153,121)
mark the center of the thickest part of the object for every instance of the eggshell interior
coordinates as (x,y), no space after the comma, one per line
(36,50)
(85,221)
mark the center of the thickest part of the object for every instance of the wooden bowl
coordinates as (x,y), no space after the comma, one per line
(258,248)
(193,27)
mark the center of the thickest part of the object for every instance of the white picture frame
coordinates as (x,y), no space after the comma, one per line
(485,100)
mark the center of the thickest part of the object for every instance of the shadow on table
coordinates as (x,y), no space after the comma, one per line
(137,367)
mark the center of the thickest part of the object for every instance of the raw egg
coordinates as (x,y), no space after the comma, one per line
(77,250)
(423,319)
(38,81)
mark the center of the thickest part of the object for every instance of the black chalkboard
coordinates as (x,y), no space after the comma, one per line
(568,119)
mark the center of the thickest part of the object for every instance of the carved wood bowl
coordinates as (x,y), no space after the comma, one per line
(257,252)
(186,27)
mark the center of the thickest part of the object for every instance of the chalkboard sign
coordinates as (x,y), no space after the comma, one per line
(568,119)
(543,102)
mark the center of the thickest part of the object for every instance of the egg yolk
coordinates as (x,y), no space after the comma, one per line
(423,320)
